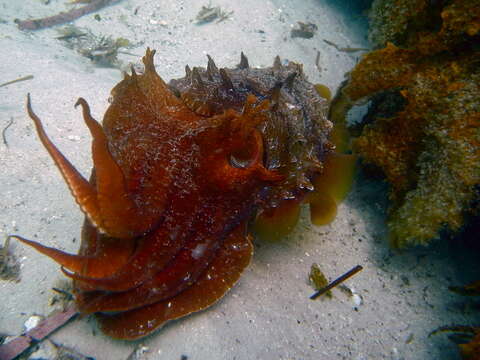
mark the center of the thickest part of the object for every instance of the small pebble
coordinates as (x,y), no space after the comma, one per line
(73,137)
(357,299)
(46,350)
(32,321)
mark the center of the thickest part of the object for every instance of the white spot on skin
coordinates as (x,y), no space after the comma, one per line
(198,251)
(174,233)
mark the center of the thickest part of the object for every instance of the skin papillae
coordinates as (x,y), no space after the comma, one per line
(179,170)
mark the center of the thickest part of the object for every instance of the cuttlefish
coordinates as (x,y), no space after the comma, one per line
(182,173)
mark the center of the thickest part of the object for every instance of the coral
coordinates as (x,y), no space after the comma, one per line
(391,21)
(417,23)
(429,150)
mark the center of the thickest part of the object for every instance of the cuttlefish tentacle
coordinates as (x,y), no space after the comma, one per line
(80,188)
(186,262)
(69,261)
(168,283)
(120,216)
(155,249)
(109,208)
(223,272)
(78,263)
(181,273)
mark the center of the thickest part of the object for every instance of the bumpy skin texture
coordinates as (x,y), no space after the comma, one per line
(178,172)
(297,129)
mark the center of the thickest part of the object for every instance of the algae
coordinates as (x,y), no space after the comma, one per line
(429,150)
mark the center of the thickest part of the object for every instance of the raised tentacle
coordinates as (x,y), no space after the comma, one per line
(120,216)
(82,191)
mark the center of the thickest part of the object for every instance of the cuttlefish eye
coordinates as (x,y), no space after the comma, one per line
(247,153)
(239,162)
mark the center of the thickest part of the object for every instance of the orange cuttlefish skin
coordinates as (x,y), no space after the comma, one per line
(174,183)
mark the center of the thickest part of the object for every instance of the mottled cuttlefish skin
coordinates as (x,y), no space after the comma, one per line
(179,171)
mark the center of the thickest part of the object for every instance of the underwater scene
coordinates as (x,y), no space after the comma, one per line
(240,180)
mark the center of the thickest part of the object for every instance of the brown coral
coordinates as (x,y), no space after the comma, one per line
(430,149)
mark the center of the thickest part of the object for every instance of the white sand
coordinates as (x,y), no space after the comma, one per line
(268,314)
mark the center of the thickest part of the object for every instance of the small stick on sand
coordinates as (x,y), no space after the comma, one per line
(28,77)
(337,281)
(317,62)
(4,137)
(21,343)
(63,17)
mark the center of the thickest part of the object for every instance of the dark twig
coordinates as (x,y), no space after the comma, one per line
(21,343)
(337,281)
(4,137)
(63,292)
(344,49)
(455,328)
(317,62)
(63,17)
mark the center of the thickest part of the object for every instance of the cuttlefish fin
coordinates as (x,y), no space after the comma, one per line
(331,187)
(276,223)
(224,271)
(323,209)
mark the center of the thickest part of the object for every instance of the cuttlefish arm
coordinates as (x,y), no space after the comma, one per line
(105,201)
(181,272)
(108,205)
(223,272)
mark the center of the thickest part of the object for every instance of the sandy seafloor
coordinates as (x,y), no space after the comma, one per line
(268,314)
